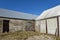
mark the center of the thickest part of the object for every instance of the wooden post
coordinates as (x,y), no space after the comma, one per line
(58,24)
(46,27)
(34,26)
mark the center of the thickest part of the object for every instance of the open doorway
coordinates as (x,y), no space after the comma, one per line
(5,26)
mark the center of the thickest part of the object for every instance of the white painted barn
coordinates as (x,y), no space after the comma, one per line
(49,21)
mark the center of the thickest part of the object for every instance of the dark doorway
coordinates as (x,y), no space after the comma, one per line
(5,26)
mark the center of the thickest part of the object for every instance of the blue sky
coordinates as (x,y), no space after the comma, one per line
(29,6)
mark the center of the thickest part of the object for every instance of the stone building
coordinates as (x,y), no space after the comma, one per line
(11,21)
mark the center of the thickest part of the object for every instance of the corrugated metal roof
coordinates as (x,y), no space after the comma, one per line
(55,11)
(15,14)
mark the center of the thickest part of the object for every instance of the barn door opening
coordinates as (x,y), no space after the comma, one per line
(5,26)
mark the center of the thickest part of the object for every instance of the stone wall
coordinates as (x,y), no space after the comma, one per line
(18,25)
(1,25)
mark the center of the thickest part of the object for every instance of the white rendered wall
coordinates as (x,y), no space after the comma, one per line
(37,26)
(43,26)
(51,25)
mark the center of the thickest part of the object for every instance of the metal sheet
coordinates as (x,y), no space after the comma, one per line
(51,25)
(43,26)
(37,26)
(59,26)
